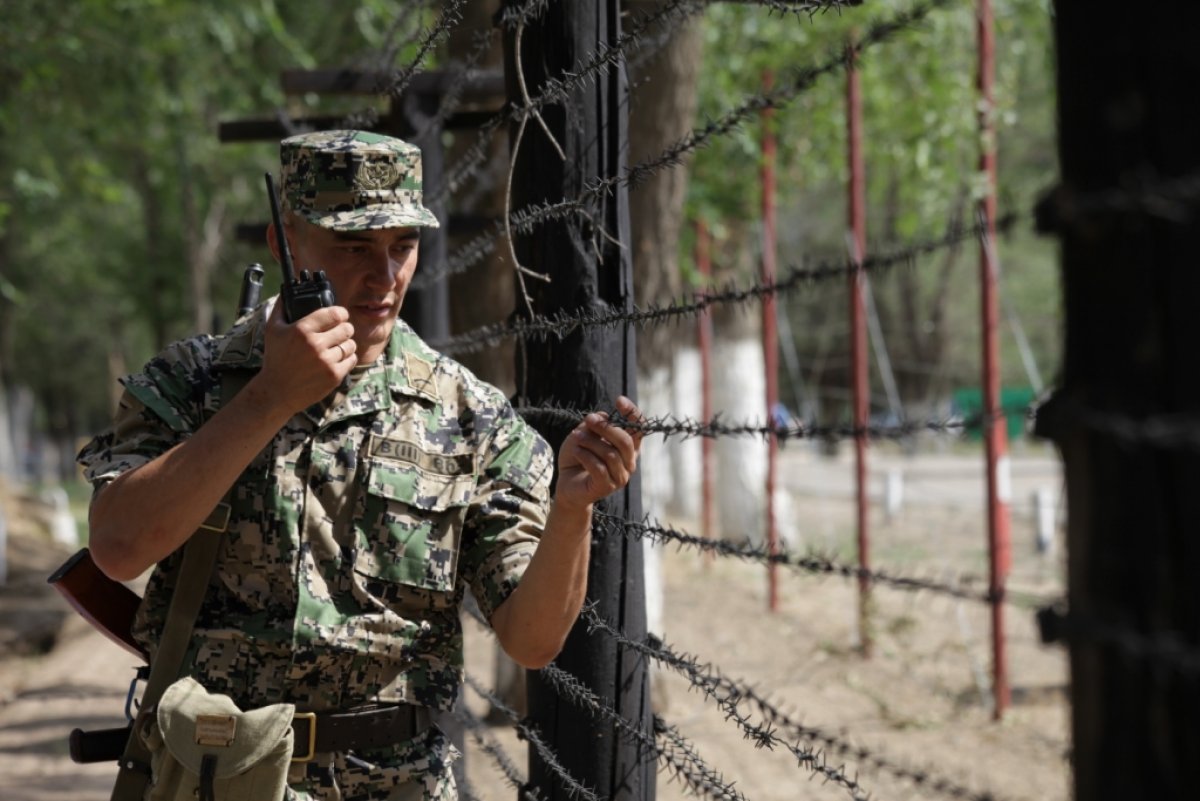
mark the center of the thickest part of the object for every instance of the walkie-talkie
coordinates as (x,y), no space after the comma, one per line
(304,295)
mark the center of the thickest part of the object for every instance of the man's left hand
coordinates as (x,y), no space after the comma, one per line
(597,458)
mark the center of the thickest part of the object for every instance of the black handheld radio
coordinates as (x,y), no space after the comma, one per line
(304,295)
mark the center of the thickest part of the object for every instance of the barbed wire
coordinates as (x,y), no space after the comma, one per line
(527,732)
(451,97)
(800,81)
(724,692)
(814,563)
(1165,431)
(808,8)
(512,18)
(490,746)
(390,43)
(607,56)
(451,15)
(679,757)
(1172,199)
(670,15)
(761,736)
(1166,648)
(794,279)
(473,158)
(683,761)
(527,219)
(671,425)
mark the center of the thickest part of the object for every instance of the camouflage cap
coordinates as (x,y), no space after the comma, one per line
(353,180)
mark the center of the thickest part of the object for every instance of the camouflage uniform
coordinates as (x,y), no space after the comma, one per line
(352,536)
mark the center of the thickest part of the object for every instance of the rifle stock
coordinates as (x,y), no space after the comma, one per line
(107,604)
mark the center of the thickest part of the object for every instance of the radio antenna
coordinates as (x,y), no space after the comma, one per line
(285,253)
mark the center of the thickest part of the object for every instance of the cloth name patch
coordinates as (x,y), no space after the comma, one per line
(218,730)
(446,464)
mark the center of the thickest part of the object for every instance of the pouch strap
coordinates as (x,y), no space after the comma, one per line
(208,774)
(191,583)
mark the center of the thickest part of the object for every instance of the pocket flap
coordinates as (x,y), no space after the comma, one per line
(195,722)
(401,472)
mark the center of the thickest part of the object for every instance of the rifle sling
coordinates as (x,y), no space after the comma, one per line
(191,582)
(199,558)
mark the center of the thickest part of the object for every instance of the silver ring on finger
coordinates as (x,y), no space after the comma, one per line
(341,351)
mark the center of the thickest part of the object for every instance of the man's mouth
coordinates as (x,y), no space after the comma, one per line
(374,307)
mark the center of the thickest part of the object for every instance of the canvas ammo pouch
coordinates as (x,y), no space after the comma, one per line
(203,748)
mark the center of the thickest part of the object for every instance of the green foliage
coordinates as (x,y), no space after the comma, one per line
(109,163)
(921,149)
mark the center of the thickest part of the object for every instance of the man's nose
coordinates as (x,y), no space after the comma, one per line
(382,268)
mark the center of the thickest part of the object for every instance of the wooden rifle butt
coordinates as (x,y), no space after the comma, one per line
(107,604)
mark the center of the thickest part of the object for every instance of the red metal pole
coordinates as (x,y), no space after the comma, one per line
(770,336)
(994,424)
(704,342)
(858,342)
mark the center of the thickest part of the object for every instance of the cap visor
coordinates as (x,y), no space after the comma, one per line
(374,217)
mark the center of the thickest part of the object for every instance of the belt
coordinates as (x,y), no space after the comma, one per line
(367,728)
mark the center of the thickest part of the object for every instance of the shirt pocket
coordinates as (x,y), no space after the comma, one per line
(411,527)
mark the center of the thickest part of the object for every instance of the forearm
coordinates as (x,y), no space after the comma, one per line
(147,513)
(534,621)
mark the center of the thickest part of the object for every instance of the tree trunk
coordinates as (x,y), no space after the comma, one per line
(154,294)
(662,109)
(739,393)
(8,455)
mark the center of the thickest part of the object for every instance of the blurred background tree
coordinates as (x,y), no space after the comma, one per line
(117,202)
(921,150)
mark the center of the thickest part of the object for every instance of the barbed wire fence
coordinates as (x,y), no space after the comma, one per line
(688,767)
(736,698)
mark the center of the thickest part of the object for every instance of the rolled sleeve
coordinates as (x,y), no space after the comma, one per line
(507,513)
(158,410)
(137,436)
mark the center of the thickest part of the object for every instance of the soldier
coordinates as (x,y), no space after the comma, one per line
(369,480)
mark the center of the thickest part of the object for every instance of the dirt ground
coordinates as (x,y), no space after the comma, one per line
(920,702)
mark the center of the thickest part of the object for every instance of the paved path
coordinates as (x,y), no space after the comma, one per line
(80,683)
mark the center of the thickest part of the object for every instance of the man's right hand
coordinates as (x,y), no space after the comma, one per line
(304,361)
(149,511)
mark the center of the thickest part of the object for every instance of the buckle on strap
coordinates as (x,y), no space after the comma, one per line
(218,518)
(311,753)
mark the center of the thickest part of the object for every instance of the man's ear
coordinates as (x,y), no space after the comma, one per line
(273,241)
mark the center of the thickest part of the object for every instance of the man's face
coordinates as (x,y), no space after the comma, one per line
(370,272)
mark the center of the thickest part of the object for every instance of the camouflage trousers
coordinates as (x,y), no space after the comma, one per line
(415,770)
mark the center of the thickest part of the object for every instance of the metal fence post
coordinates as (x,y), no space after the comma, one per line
(999,481)
(860,378)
